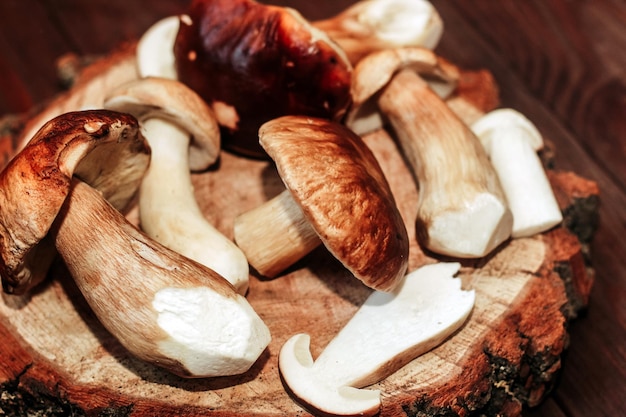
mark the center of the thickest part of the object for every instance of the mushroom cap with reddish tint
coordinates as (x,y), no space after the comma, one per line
(343,193)
(254,62)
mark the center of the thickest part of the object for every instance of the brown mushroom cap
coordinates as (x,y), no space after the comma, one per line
(254,62)
(343,193)
(102,148)
(376,70)
(170,100)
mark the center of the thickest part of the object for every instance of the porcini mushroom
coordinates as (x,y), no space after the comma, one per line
(34,185)
(388,331)
(371,25)
(155,49)
(336,194)
(375,70)
(163,307)
(183,134)
(512,142)
(254,62)
(462,210)
(87,91)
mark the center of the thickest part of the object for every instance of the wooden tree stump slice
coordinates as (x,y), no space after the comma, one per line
(57,356)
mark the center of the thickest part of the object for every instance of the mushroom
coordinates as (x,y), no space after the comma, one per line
(254,62)
(164,308)
(336,194)
(512,142)
(34,185)
(371,25)
(155,49)
(462,210)
(183,135)
(375,70)
(388,331)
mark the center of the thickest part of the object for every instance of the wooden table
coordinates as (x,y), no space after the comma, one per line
(562,63)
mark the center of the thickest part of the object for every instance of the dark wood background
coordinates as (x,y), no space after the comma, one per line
(560,62)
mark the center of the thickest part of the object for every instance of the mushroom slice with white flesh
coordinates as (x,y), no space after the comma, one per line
(183,135)
(375,70)
(462,209)
(164,308)
(388,331)
(512,142)
(336,194)
(371,25)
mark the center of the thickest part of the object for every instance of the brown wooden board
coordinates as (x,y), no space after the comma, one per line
(506,355)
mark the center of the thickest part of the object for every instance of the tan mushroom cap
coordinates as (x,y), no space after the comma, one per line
(170,100)
(102,148)
(343,193)
(376,70)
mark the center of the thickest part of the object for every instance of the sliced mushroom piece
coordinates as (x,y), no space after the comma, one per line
(336,194)
(388,331)
(375,70)
(254,62)
(183,134)
(462,209)
(371,25)
(512,142)
(163,307)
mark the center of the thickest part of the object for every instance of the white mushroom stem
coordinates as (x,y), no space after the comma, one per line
(183,136)
(162,307)
(155,49)
(286,234)
(462,209)
(388,331)
(169,211)
(512,142)
(371,25)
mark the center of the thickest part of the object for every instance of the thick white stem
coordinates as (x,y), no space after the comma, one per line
(169,211)
(509,140)
(155,50)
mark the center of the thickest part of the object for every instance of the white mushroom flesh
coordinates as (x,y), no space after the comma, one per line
(388,331)
(155,50)
(183,315)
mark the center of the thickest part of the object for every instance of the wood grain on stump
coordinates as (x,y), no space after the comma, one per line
(59,359)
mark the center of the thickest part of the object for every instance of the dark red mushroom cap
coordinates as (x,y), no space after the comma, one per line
(254,62)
